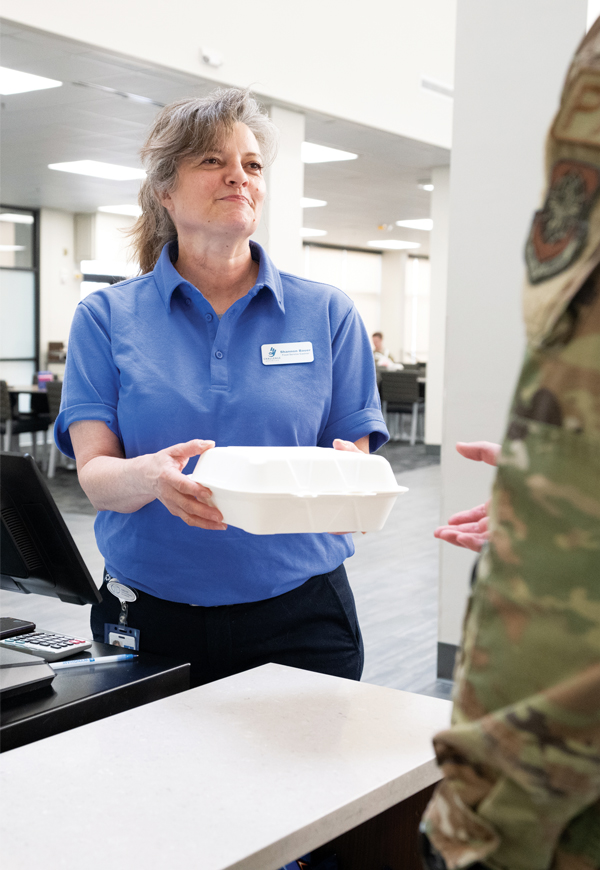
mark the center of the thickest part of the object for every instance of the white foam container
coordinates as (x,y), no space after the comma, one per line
(285,490)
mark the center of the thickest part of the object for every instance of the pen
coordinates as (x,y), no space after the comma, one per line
(104,660)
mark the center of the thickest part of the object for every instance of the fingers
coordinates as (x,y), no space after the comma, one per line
(193,512)
(339,444)
(469,540)
(473,515)
(181,453)
(181,495)
(479,451)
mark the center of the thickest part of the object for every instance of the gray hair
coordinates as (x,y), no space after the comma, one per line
(186,129)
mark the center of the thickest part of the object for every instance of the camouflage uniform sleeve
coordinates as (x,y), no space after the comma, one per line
(521,762)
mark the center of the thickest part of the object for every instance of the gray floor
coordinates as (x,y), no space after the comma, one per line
(393,575)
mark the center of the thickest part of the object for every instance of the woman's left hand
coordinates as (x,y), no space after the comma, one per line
(360,446)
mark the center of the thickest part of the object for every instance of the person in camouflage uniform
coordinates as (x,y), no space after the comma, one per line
(521,762)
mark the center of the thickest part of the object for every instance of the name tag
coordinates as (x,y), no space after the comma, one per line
(283,354)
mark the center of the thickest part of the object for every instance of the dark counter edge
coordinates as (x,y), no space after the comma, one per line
(92,708)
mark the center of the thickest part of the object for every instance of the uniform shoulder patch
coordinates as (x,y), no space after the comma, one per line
(578,119)
(559,230)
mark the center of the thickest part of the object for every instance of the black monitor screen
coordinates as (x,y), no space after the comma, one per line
(37,551)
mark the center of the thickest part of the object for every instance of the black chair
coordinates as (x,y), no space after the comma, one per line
(54,394)
(400,395)
(13,423)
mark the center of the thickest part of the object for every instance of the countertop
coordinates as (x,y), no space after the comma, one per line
(248,772)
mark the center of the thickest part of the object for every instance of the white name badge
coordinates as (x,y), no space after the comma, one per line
(282,354)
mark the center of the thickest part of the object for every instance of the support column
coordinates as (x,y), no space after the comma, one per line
(393,271)
(279,230)
(440,204)
(511,60)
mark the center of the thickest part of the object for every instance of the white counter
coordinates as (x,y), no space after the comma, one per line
(248,772)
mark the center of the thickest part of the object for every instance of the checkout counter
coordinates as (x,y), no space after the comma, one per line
(119,766)
(249,772)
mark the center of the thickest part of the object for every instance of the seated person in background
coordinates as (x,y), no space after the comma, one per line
(383,358)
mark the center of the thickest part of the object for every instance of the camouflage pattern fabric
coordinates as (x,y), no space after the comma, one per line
(521,762)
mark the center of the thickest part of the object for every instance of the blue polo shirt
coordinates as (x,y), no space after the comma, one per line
(151,359)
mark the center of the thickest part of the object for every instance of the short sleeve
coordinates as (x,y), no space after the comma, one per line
(355,406)
(91,383)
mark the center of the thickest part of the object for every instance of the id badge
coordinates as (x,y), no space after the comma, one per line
(121,635)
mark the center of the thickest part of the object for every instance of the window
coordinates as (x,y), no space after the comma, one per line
(357,273)
(19,294)
(416,310)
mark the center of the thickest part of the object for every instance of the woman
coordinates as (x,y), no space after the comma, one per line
(163,366)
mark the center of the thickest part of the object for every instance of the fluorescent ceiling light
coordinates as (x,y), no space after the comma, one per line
(426,185)
(306,233)
(393,244)
(6,248)
(99,170)
(307,202)
(16,218)
(421,224)
(130,210)
(13,81)
(312,153)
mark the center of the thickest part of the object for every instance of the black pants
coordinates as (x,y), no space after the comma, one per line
(314,627)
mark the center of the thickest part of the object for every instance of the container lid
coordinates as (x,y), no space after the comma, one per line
(296,470)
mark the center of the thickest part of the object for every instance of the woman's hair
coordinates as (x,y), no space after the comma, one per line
(184,129)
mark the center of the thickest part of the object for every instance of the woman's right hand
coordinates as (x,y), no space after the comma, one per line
(181,495)
(114,483)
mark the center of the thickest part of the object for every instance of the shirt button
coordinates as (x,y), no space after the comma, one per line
(218,354)
(188,301)
(208,317)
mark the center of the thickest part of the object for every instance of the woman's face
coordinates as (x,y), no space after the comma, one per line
(221,195)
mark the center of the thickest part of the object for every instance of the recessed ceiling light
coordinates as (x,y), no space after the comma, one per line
(313,153)
(426,185)
(393,244)
(13,81)
(16,218)
(4,249)
(307,202)
(306,233)
(129,210)
(420,224)
(99,170)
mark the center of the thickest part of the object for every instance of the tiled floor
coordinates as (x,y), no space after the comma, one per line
(393,574)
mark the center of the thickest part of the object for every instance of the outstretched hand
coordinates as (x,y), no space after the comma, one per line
(479,451)
(469,528)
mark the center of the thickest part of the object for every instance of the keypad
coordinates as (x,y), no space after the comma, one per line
(46,644)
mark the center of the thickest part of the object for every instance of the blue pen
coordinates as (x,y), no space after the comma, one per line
(104,660)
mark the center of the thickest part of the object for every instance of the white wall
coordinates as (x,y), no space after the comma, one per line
(440,204)
(338,57)
(501,114)
(110,245)
(59,280)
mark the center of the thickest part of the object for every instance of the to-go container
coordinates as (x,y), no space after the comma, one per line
(284,490)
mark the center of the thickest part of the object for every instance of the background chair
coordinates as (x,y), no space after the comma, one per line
(54,394)
(13,423)
(400,395)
